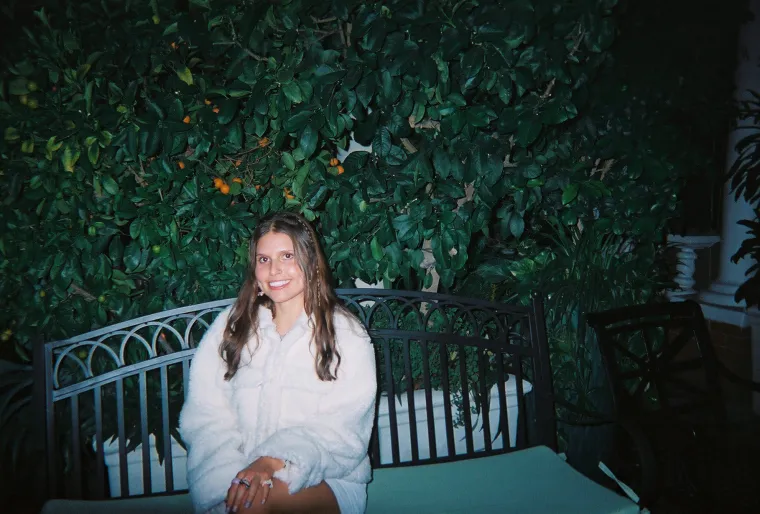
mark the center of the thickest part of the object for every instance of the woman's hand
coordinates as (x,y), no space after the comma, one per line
(252,484)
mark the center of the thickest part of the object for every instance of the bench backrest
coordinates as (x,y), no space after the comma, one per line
(458,378)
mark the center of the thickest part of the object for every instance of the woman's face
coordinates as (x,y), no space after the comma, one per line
(277,270)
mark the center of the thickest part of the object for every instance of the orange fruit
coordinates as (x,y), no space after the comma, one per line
(225,189)
(238,180)
(238,163)
(173,45)
(218,182)
(340,170)
(287,193)
(186,119)
(181,165)
(216,110)
(258,187)
(334,162)
(264,141)
(207,101)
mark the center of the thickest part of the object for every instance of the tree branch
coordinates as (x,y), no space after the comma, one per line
(81,292)
(323,20)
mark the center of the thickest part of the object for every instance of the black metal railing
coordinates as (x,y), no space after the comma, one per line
(109,396)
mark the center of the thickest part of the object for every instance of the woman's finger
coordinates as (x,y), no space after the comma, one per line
(246,495)
(266,487)
(231,493)
(236,497)
(248,498)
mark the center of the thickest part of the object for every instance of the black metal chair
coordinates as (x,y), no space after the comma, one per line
(666,378)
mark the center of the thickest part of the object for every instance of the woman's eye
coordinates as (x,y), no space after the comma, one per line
(288,255)
(262,260)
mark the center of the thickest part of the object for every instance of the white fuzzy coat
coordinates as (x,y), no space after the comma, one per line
(276,406)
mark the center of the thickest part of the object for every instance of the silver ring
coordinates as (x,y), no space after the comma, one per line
(245,482)
(268,483)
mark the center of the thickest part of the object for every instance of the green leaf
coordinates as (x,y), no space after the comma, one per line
(309,138)
(298,183)
(377,249)
(532,171)
(441,163)
(227,110)
(381,144)
(293,92)
(93,152)
(110,185)
(403,224)
(288,161)
(297,121)
(170,29)
(366,89)
(185,75)
(69,158)
(528,129)
(516,225)
(132,256)
(88,96)
(505,90)
(235,136)
(569,194)
(472,61)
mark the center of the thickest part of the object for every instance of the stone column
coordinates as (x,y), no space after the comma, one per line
(687,259)
(718,301)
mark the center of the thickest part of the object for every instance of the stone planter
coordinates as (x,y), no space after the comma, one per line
(402,418)
(135,469)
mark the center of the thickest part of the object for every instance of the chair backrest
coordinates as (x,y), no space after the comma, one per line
(659,359)
(458,378)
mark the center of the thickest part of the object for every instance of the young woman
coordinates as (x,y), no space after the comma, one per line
(281,399)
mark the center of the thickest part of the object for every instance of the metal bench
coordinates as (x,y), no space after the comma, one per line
(459,379)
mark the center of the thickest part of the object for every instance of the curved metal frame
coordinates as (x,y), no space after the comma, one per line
(505,339)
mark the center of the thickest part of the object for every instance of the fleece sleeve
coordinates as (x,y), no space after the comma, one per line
(208,424)
(334,443)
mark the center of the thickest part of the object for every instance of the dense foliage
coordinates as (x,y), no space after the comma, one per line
(118,119)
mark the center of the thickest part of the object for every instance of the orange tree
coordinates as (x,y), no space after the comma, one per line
(140,144)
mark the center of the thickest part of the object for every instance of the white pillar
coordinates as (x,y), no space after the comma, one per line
(720,295)
(718,302)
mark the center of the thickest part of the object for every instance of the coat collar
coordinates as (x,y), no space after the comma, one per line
(268,328)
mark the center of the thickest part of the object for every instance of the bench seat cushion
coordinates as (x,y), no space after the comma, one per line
(166,504)
(535,480)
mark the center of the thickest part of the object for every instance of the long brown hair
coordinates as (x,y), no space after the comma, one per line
(320,301)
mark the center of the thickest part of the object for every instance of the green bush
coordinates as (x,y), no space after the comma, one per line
(117,119)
